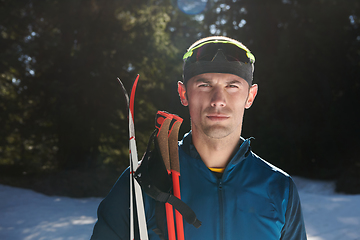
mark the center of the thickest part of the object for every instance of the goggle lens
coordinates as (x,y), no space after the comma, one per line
(208,52)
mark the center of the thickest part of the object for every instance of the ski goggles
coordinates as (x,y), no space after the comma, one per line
(207,51)
(219,56)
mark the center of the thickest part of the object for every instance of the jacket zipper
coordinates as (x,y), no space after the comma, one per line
(221,208)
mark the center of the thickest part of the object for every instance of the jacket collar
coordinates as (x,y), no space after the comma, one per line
(242,153)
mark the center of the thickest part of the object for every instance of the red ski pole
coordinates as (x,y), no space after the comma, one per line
(163,121)
(175,170)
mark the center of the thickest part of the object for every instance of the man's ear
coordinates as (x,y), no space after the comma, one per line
(182,93)
(252,94)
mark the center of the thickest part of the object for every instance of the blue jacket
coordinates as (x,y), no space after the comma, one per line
(253,200)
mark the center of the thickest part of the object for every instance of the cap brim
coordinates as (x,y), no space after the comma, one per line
(240,69)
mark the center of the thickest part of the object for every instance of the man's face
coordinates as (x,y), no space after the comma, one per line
(216,103)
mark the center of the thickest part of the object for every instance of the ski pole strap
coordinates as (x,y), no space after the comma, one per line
(160,217)
(187,213)
(155,181)
(164,197)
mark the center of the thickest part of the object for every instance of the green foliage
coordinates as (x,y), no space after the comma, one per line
(61,106)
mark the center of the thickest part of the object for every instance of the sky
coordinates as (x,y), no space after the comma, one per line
(27,215)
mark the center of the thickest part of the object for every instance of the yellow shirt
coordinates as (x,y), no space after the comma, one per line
(217,170)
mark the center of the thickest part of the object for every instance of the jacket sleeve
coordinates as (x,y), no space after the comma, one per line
(294,228)
(113,212)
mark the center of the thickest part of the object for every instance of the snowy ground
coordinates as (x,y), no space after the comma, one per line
(27,215)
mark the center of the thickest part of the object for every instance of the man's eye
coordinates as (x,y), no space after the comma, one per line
(233,86)
(204,85)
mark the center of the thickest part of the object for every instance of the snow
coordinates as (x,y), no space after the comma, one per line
(328,215)
(27,215)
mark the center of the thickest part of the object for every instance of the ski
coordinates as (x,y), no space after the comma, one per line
(135,189)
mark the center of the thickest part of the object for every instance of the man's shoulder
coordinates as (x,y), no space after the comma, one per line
(267,166)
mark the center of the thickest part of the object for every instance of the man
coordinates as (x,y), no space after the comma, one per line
(235,193)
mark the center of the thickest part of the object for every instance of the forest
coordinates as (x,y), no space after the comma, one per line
(63,116)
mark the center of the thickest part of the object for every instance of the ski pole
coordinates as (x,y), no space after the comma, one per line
(163,121)
(175,170)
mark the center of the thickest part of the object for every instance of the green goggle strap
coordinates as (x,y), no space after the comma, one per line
(190,52)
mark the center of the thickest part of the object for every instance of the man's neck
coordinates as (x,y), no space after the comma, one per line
(216,153)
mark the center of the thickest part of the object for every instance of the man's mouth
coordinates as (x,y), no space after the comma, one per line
(217,117)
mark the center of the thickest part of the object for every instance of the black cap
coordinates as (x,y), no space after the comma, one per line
(218,54)
(219,65)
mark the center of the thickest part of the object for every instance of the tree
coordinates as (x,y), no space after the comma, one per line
(69,54)
(61,105)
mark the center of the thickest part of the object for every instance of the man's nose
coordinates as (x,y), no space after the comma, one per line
(218,98)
